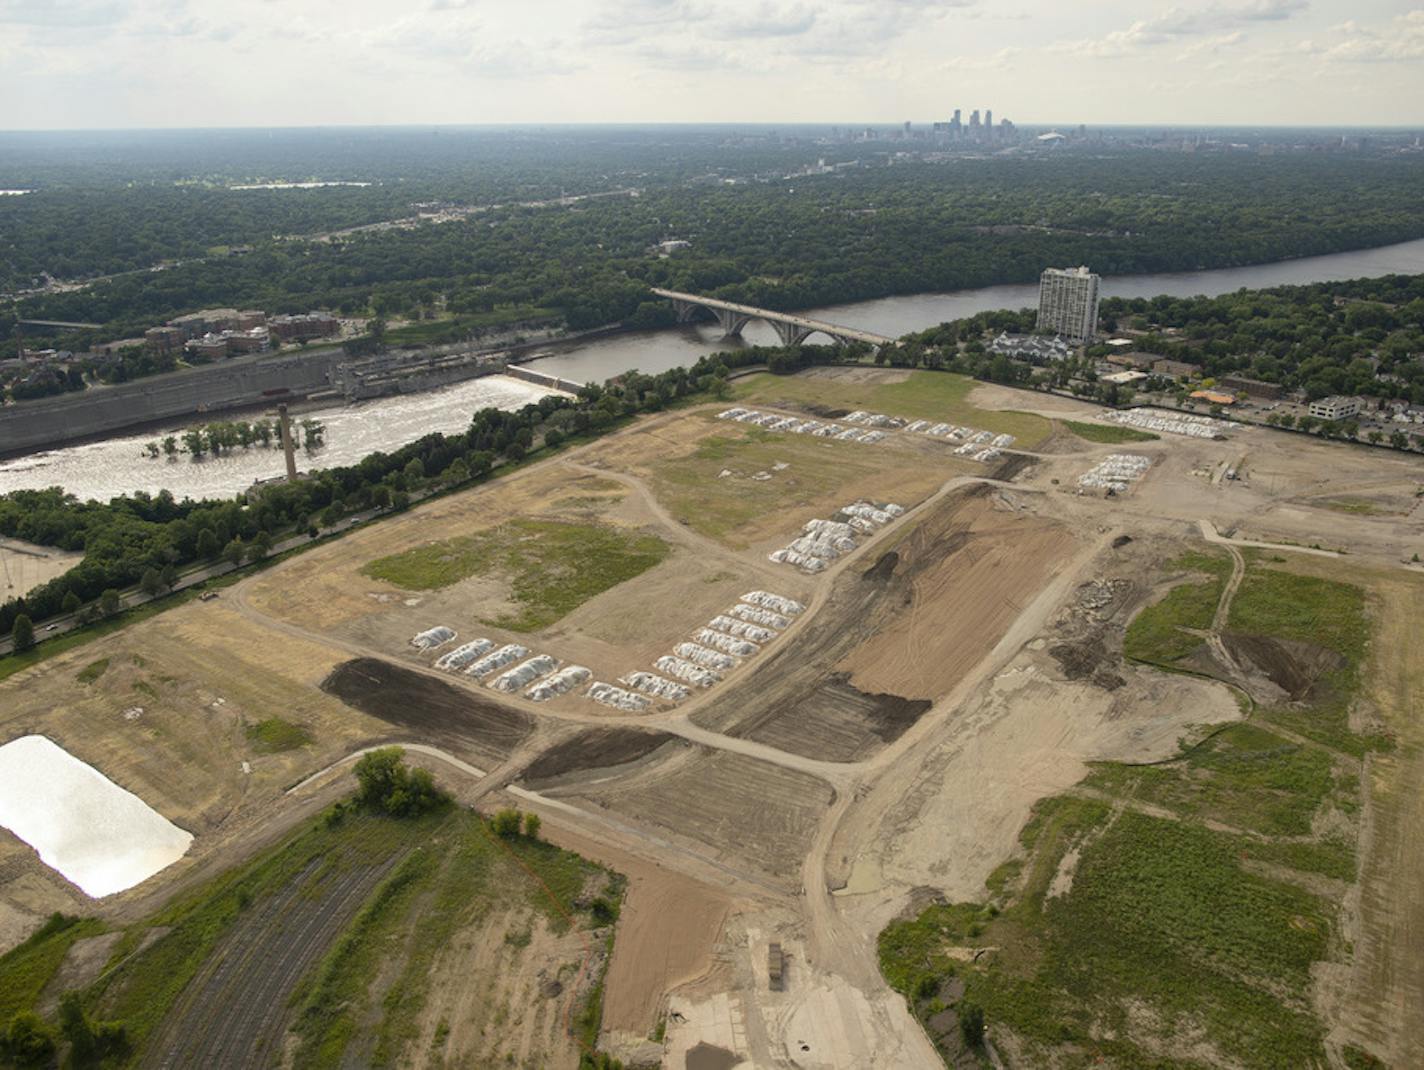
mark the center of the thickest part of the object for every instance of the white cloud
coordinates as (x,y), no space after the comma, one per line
(62,13)
(1402,41)
(994,61)
(1176,23)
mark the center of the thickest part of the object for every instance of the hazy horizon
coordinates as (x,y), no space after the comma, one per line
(90,65)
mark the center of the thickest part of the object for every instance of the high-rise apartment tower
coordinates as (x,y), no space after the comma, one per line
(1068,302)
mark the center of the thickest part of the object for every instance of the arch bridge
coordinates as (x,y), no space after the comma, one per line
(792,330)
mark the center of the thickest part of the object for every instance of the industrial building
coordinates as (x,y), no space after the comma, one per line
(1335,407)
(1068,302)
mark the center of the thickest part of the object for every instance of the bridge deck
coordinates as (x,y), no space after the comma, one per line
(833,329)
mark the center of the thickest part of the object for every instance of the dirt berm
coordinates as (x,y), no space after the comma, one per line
(462,722)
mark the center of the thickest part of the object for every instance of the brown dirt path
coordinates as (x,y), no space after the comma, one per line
(1377,1005)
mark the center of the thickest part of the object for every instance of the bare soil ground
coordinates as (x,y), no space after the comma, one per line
(459,720)
(601,750)
(1372,998)
(324,588)
(24,566)
(759,815)
(898,632)
(1027,733)
(166,718)
(496,995)
(894,741)
(665,937)
(968,573)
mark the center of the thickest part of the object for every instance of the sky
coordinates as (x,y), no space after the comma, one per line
(91,64)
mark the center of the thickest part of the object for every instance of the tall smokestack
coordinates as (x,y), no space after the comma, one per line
(286,422)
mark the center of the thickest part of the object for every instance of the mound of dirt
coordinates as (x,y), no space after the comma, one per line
(596,748)
(429,708)
(1087,659)
(883,569)
(1292,665)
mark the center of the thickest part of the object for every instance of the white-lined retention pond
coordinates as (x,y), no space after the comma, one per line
(93,832)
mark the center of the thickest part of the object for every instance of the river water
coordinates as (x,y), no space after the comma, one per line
(657,351)
(120,465)
(115,466)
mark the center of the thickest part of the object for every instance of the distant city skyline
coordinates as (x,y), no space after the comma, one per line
(87,64)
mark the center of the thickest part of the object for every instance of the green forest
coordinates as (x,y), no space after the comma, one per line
(766,239)
(1363,337)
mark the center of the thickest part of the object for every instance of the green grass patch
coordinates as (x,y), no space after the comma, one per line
(924,395)
(1108,433)
(1327,613)
(92,671)
(552,566)
(1156,634)
(275,735)
(727,508)
(26,969)
(1160,913)
(1245,776)
(142,989)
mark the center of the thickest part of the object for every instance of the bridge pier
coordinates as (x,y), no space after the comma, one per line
(791,334)
(684,310)
(731,322)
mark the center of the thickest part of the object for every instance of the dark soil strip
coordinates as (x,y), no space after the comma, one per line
(597,748)
(437,712)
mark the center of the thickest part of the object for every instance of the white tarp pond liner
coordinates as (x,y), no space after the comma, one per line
(708,659)
(681,669)
(741,629)
(82,824)
(526,673)
(433,637)
(561,683)
(609,695)
(655,685)
(463,655)
(725,643)
(767,600)
(505,655)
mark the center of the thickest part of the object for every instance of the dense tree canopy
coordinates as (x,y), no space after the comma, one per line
(778,242)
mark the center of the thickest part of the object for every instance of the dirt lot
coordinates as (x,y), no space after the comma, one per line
(498,994)
(968,571)
(898,631)
(738,810)
(722,479)
(466,723)
(24,566)
(596,750)
(894,741)
(162,709)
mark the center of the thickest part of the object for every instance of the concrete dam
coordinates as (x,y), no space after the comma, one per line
(30,425)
